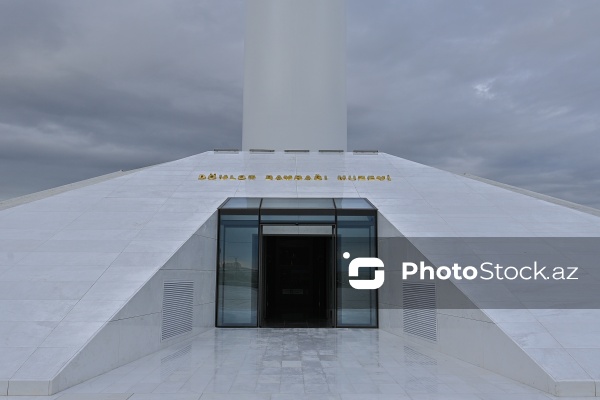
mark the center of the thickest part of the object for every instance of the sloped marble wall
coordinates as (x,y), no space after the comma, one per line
(135,331)
(464,332)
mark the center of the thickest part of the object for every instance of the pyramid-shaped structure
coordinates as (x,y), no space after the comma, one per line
(83,272)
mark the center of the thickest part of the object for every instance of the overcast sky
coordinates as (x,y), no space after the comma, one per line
(508,90)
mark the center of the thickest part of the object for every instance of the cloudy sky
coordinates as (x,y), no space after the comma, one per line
(508,90)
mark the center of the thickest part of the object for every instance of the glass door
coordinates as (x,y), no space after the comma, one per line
(296,276)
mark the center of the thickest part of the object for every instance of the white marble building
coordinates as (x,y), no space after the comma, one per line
(105,273)
(81,272)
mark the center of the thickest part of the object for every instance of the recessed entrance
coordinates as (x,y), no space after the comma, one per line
(280,262)
(297,287)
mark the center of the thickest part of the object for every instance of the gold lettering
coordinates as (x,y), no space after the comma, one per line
(315,177)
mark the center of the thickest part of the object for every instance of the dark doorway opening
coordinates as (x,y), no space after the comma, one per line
(297,281)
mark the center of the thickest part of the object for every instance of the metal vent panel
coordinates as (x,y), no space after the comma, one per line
(177,309)
(420,314)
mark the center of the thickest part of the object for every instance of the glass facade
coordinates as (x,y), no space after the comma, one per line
(241,225)
(237,273)
(356,235)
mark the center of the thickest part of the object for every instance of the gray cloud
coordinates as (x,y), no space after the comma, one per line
(91,87)
(506,90)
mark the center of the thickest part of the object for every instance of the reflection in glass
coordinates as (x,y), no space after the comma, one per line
(355,235)
(238,266)
(298,219)
(353,204)
(238,271)
(241,203)
(297,204)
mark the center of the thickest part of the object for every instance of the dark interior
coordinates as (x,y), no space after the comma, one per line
(296,281)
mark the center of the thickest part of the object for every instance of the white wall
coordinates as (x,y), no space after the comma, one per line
(295,75)
(135,331)
(464,332)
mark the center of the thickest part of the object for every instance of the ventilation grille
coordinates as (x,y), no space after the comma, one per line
(420,316)
(177,308)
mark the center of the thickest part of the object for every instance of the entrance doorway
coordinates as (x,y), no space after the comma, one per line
(298,284)
(281,262)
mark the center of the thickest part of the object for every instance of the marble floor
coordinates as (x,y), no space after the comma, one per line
(288,364)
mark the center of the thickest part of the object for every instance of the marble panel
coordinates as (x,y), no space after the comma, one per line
(116,291)
(53,273)
(42,290)
(94,310)
(24,334)
(34,310)
(43,365)
(40,258)
(12,359)
(72,334)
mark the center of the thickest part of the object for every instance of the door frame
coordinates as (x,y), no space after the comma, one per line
(331,274)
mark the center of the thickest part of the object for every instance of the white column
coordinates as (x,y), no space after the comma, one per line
(295,75)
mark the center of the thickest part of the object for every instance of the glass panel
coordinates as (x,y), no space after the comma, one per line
(242,203)
(240,217)
(355,235)
(295,230)
(237,275)
(297,204)
(237,271)
(296,219)
(353,204)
